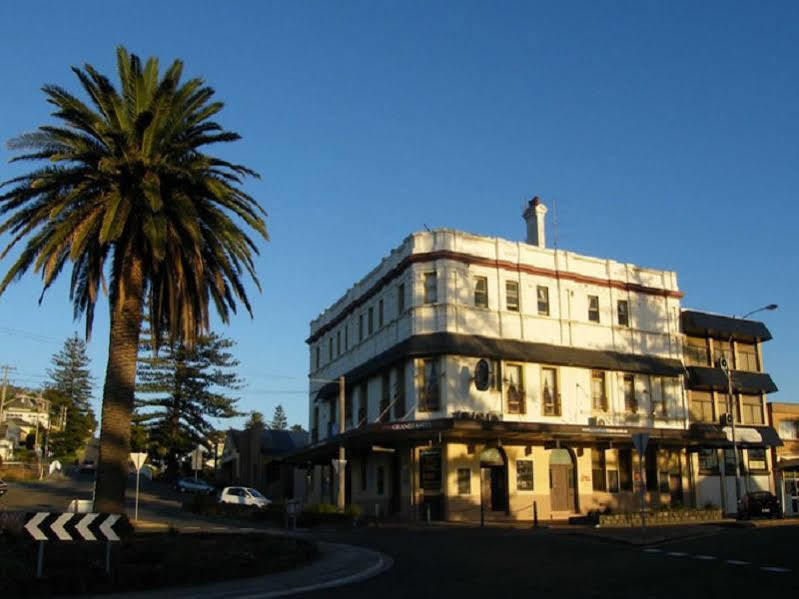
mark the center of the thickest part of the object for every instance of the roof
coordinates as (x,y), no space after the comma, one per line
(706,324)
(274,442)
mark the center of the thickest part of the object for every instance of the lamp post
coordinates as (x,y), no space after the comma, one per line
(727,368)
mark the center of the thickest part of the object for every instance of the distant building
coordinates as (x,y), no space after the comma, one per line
(488,375)
(28,409)
(784,417)
(254,457)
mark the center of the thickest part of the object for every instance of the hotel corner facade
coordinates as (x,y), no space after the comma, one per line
(495,376)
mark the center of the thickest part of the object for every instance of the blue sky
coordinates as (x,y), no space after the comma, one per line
(665,131)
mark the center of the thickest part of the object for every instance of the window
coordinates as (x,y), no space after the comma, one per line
(542,293)
(399,399)
(315,425)
(623,311)
(385,398)
(695,350)
(752,409)
(593,308)
(701,406)
(380,314)
(363,405)
(613,481)
(630,401)
(729,461)
(428,386)
(663,487)
(481,292)
(464,481)
(516,398)
(360,327)
(512,296)
(708,461)
(722,348)
(747,357)
(370,320)
(430,288)
(430,469)
(338,343)
(598,469)
(347,337)
(401,299)
(381,480)
(626,469)
(318,356)
(663,385)
(549,392)
(524,475)
(757,459)
(330,348)
(598,397)
(651,465)
(789,429)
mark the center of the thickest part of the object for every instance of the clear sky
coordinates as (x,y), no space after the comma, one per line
(667,133)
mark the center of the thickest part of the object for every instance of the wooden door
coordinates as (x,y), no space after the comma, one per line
(559,488)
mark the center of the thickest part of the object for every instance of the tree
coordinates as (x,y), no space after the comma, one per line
(69,391)
(256,419)
(297,428)
(180,388)
(279,420)
(128,196)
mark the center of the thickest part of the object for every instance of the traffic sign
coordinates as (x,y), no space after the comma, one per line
(138,459)
(57,526)
(640,441)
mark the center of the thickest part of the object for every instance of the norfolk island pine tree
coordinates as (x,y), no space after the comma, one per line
(130,199)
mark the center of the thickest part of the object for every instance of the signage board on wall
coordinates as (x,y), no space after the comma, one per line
(430,469)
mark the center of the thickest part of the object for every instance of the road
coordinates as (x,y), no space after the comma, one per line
(453,561)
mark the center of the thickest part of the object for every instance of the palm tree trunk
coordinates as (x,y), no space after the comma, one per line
(120,383)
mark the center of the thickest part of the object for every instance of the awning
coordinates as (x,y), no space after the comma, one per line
(714,379)
(704,324)
(712,435)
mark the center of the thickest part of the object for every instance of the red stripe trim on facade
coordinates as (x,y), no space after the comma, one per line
(501,264)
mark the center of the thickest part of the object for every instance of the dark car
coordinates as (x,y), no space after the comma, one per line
(3,487)
(189,485)
(759,503)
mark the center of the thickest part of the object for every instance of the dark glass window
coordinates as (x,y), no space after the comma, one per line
(430,288)
(360,327)
(625,469)
(593,308)
(401,299)
(380,314)
(543,300)
(630,401)
(598,469)
(370,320)
(512,296)
(709,461)
(623,309)
(481,292)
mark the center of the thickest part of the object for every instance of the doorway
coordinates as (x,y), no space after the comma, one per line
(494,479)
(562,474)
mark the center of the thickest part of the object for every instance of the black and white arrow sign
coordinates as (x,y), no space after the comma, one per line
(56,526)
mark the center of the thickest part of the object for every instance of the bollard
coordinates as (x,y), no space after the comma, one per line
(40,560)
(535,514)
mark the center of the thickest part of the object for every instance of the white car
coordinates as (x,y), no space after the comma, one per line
(243,496)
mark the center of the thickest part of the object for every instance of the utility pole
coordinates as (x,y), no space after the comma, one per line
(5,386)
(342,461)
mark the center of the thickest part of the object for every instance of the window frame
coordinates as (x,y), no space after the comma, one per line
(430,295)
(625,321)
(370,321)
(480,296)
(380,319)
(464,479)
(521,399)
(512,306)
(385,397)
(429,401)
(399,391)
(360,327)
(593,311)
(556,405)
(543,303)
(631,402)
(603,408)
(400,299)
(599,482)
(708,458)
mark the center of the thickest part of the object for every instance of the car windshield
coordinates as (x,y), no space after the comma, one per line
(256,494)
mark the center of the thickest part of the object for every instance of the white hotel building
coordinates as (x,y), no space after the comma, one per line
(491,375)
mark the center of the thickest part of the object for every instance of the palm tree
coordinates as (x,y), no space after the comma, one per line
(130,199)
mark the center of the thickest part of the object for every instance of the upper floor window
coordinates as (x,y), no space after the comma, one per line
(430,288)
(598,397)
(695,349)
(315,425)
(515,389)
(370,320)
(789,429)
(709,460)
(380,314)
(721,348)
(593,308)
(346,337)
(429,393)
(623,311)
(630,400)
(401,299)
(338,343)
(360,327)
(363,404)
(747,357)
(663,385)
(757,459)
(549,392)
(399,392)
(543,300)
(318,357)
(481,292)
(701,406)
(752,409)
(330,348)
(512,296)
(385,398)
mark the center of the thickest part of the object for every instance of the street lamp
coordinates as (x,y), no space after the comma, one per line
(732,412)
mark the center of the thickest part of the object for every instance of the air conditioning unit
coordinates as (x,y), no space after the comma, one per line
(726,419)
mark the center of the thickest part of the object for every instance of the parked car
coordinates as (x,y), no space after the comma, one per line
(759,503)
(189,485)
(3,487)
(87,467)
(243,496)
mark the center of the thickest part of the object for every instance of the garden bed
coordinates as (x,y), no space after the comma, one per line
(146,561)
(658,517)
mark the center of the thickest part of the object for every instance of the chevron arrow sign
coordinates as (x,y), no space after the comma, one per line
(57,526)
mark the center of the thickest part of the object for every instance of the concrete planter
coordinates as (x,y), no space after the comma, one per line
(660,517)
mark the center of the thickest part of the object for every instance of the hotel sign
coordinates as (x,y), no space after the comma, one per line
(601,430)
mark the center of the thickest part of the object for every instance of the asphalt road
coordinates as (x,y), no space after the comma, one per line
(508,563)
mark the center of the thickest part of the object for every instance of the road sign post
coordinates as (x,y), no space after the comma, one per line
(138,459)
(640,441)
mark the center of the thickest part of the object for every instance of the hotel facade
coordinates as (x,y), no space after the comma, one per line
(490,378)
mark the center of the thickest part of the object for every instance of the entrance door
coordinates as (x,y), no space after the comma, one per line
(493,479)
(561,481)
(499,495)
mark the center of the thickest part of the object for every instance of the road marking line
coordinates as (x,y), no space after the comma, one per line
(652,550)
(704,557)
(774,569)
(737,562)
(676,554)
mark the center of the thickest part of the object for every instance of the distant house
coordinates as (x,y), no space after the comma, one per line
(6,449)
(31,410)
(14,431)
(253,457)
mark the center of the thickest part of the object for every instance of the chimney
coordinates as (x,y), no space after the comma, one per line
(534,215)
